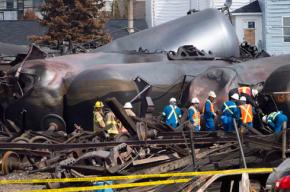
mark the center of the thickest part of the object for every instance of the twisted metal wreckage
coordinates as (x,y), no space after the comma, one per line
(51,100)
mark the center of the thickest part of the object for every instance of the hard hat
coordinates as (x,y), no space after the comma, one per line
(255,92)
(235,96)
(212,94)
(194,100)
(243,98)
(99,104)
(128,105)
(264,119)
(172,100)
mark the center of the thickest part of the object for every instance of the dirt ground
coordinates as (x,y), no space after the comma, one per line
(22,176)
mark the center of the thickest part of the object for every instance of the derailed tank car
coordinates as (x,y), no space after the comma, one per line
(68,86)
(276,91)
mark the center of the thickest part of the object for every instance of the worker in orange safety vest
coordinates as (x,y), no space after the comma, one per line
(209,113)
(194,114)
(246,112)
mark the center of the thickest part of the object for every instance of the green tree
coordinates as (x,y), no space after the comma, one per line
(78,21)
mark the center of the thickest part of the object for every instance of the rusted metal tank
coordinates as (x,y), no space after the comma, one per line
(69,85)
(277,91)
(222,79)
(208,30)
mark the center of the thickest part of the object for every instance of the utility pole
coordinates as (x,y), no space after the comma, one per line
(130,16)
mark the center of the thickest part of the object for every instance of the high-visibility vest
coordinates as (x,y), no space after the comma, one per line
(111,123)
(173,112)
(98,120)
(246,90)
(247,113)
(211,106)
(272,116)
(196,116)
(229,108)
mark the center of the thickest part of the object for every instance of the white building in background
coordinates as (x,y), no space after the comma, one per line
(15,9)
(247,21)
(276,26)
(161,11)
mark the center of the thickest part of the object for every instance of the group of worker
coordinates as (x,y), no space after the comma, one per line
(239,108)
(108,121)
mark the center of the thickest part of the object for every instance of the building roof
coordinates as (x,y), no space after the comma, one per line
(253,7)
(7,49)
(118,27)
(17,32)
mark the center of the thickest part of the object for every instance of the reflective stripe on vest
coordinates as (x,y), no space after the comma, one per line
(228,108)
(211,106)
(196,117)
(171,113)
(246,90)
(273,115)
(247,113)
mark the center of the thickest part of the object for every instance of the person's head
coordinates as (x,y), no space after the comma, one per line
(195,101)
(172,101)
(99,105)
(235,97)
(264,118)
(211,95)
(128,105)
(243,100)
(255,92)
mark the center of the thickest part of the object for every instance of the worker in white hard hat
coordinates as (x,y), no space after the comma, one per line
(172,113)
(194,114)
(275,120)
(209,113)
(246,91)
(230,112)
(129,109)
(98,116)
(246,112)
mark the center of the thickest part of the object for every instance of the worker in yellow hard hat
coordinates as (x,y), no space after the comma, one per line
(98,114)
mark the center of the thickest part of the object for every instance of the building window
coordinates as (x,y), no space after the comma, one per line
(1,16)
(9,4)
(37,4)
(286,29)
(251,25)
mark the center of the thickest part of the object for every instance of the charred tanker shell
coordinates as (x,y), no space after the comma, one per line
(69,85)
(223,79)
(277,91)
(208,30)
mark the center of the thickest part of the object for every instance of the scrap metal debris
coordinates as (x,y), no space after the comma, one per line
(149,147)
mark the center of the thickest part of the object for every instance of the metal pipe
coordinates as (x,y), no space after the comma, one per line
(240,143)
(130,17)
(192,147)
(140,93)
(23,113)
(284,139)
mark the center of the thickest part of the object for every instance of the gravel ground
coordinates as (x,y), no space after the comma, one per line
(22,175)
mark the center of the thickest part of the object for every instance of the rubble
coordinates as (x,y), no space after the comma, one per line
(149,147)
